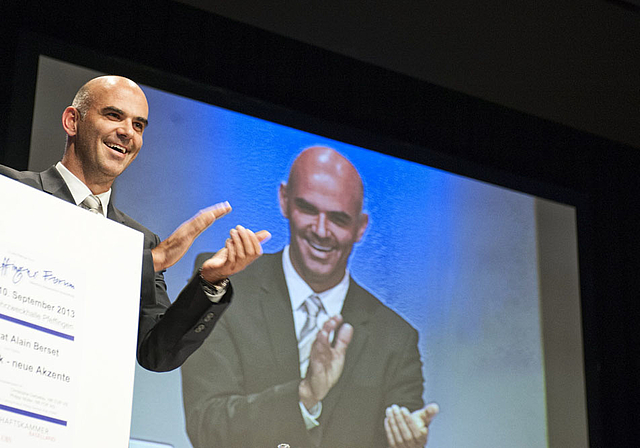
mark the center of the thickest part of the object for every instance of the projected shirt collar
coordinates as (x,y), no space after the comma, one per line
(332,299)
(79,190)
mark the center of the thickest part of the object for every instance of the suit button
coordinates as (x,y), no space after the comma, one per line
(208,317)
(199,328)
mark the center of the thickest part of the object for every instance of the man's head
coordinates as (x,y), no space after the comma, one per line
(104,127)
(323,202)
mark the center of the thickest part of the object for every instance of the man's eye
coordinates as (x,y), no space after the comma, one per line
(340,219)
(138,126)
(113,115)
(306,208)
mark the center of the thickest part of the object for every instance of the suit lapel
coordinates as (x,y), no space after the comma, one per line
(113,213)
(53,183)
(276,309)
(357,312)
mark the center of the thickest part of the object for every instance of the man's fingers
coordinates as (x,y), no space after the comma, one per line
(331,324)
(205,217)
(231,257)
(218,210)
(395,431)
(322,339)
(417,429)
(247,237)
(429,412)
(257,247)
(248,243)
(343,338)
(237,242)
(408,430)
(389,433)
(219,258)
(263,236)
(402,424)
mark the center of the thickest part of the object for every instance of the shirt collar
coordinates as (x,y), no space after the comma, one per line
(332,299)
(79,190)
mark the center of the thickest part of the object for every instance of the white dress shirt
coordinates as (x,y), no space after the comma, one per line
(332,302)
(79,190)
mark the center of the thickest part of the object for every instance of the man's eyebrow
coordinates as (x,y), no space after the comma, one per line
(342,216)
(121,112)
(112,109)
(303,203)
(333,215)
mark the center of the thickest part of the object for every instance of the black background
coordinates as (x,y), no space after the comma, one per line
(157,43)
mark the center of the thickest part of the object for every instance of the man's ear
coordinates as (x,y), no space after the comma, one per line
(70,118)
(284,200)
(363,222)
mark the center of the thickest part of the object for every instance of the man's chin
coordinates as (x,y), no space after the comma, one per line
(319,272)
(114,168)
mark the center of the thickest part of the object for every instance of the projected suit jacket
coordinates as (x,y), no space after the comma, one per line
(241,388)
(167,333)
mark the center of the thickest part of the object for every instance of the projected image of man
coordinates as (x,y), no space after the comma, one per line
(305,355)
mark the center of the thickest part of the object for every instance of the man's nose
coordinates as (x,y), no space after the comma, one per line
(320,227)
(125,129)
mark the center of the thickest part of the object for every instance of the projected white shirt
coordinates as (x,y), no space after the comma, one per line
(332,301)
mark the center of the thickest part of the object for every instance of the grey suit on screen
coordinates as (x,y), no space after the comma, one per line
(241,388)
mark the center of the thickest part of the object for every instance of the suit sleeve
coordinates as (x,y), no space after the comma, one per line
(405,379)
(221,409)
(169,333)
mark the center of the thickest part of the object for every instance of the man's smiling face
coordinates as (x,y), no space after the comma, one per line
(109,135)
(323,203)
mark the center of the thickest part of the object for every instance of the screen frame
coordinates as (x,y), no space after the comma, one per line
(31,46)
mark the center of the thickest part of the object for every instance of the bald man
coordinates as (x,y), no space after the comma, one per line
(255,382)
(104,127)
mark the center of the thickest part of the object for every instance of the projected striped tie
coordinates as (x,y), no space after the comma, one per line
(312,307)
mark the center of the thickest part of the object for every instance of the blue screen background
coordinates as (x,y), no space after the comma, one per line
(454,256)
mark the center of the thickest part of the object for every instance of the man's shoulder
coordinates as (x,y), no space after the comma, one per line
(132,223)
(26,177)
(266,265)
(380,311)
(264,275)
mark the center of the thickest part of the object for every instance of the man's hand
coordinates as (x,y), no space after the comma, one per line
(171,250)
(408,430)
(325,362)
(240,250)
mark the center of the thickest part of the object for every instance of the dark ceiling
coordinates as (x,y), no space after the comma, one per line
(575,63)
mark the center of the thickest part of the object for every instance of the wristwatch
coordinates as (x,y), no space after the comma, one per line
(214,289)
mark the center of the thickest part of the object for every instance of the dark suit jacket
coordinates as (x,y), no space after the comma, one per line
(167,333)
(241,388)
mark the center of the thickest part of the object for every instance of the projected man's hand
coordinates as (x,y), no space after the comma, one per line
(325,361)
(409,430)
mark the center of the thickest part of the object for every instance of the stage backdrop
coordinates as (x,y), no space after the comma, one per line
(465,257)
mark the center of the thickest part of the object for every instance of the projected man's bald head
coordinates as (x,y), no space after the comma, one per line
(323,202)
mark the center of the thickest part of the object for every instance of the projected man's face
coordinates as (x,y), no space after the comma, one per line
(323,202)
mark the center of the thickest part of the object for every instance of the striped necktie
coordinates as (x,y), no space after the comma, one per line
(312,307)
(93,204)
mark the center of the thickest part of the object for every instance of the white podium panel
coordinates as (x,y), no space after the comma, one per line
(69,303)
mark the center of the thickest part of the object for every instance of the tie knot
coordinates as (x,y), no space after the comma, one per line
(313,305)
(93,204)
